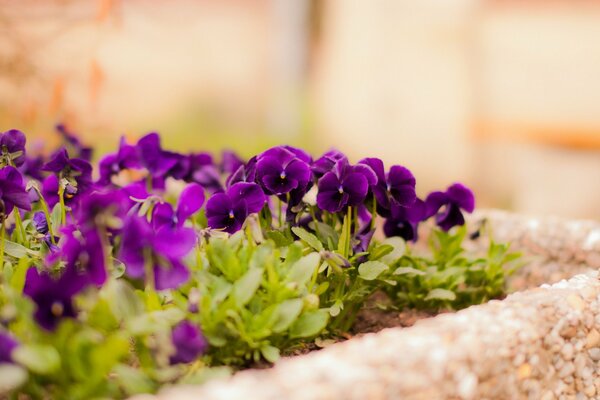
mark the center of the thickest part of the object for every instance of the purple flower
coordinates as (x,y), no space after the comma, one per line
(404,221)
(162,250)
(202,170)
(12,191)
(82,251)
(190,201)
(156,160)
(282,169)
(76,172)
(397,187)
(103,208)
(456,198)
(229,210)
(12,147)
(32,167)
(40,223)
(347,185)
(112,164)
(230,162)
(53,297)
(325,164)
(189,343)
(7,345)
(245,173)
(83,152)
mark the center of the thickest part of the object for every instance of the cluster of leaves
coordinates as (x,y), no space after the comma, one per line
(110,289)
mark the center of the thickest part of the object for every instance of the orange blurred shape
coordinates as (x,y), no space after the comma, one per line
(58,90)
(104,9)
(29,112)
(95,83)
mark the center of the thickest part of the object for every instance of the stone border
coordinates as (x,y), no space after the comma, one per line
(542,343)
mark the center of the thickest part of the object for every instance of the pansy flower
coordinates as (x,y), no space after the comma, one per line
(228,210)
(448,206)
(201,169)
(396,187)
(326,162)
(245,173)
(40,223)
(189,343)
(12,147)
(12,192)
(230,162)
(112,164)
(162,250)
(346,185)
(82,151)
(189,202)
(53,297)
(7,345)
(76,172)
(404,221)
(282,169)
(157,161)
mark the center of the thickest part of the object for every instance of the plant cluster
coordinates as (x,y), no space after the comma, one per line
(161,267)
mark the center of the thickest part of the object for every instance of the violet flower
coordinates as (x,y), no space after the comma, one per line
(230,162)
(282,169)
(76,172)
(189,343)
(12,147)
(12,192)
(53,297)
(156,160)
(40,223)
(32,167)
(245,173)
(346,185)
(456,198)
(83,152)
(326,162)
(112,164)
(7,345)
(397,187)
(202,170)
(189,202)
(228,211)
(161,250)
(404,221)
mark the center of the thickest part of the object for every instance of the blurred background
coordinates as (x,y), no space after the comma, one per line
(502,95)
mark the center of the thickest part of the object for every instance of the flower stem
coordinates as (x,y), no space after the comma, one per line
(373,213)
(63,210)
(46,211)
(2,233)
(280,217)
(20,228)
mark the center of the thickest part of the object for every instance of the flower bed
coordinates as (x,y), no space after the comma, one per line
(541,343)
(163,268)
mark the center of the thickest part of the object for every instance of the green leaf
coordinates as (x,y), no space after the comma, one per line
(344,242)
(441,294)
(286,313)
(370,270)
(308,237)
(16,250)
(408,271)
(11,377)
(38,358)
(303,269)
(55,217)
(270,353)
(133,380)
(17,280)
(380,251)
(279,238)
(309,324)
(399,246)
(246,286)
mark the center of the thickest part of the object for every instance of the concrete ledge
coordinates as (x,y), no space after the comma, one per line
(542,343)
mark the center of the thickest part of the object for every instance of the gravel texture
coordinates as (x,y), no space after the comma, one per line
(542,343)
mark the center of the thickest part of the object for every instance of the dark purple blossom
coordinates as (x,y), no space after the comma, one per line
(245,173)
(189,202)
(12,147)
(112,164)
(397,187)
(230,162)
(282,169)
(162,250)
(12,192)
(53,297)
(76,173)
(156,160)
(82,151)
(346,185)
(189,343)
(326,162)
(32,167)
(7,345)
(228,211)
(447,206)
(202,170)
(404,221)
(40,223)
